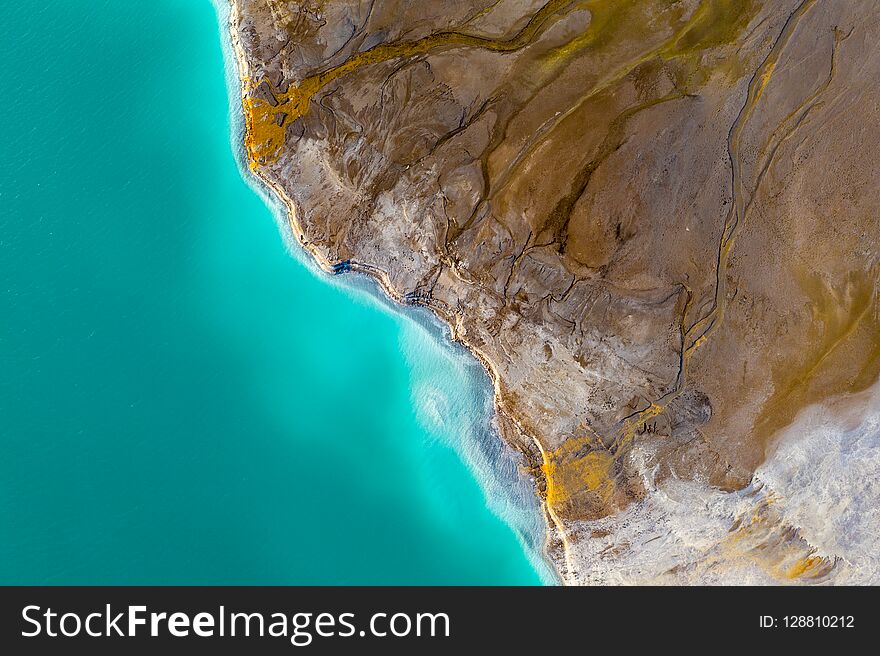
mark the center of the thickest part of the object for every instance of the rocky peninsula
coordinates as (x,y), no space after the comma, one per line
(654,221)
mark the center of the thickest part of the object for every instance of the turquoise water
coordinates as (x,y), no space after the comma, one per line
(181,400)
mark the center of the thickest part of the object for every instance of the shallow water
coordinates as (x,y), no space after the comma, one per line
(181,401)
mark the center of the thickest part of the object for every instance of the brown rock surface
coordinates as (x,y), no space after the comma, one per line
(654,220)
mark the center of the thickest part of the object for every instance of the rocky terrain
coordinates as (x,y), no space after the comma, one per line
(655,221)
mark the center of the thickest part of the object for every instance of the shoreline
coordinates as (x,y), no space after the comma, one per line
(558,552)
(553,526)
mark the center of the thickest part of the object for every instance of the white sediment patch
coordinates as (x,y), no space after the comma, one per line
(825,471)
(669,538)
(822,478)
